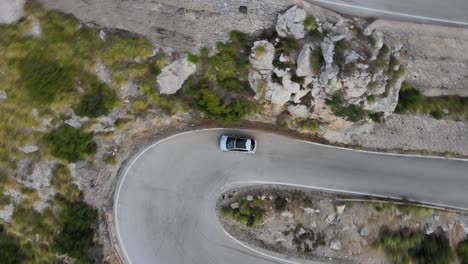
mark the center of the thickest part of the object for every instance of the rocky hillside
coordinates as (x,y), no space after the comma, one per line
(326,70)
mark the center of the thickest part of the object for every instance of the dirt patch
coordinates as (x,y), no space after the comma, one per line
(328,227)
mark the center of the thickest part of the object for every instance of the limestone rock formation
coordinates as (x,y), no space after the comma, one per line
(11,11)
(291,23)
(261,58)
(173,76)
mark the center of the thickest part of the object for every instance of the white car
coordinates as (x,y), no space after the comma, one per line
(239,144)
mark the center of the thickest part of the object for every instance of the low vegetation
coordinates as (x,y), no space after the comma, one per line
(248,212)
(69,143)
(316,61)
(462,251)
(353,113)
(412,100)
(404,247)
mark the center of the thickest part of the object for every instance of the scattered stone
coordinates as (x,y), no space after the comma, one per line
(291,23)
(309,210)
(235,206)
(102,34)
(364,231)
(174,75)
(287,214)
(3,95)
(29,149)
(330,218)
(249,198)
(335,245)
(340,209)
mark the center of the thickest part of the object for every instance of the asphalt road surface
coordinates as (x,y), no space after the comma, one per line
(447,12)
(165,201)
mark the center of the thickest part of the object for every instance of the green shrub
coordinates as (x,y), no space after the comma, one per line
(437,113)
(340,48)
(462,251)
(288,45)
(62,182)
(76,233)
(46,80)
(397,245)
(410,100)
(314,35)
(316,61)
(434,249)
(193,58)
(69,143)
(212,104)
(122,122)
(110,159)
(98,101)
(232,84)
(228,212)
(280,203)
(310,23)
(381,61)
(139,105)
(376,117)
(10,248)
(260,51)
(244,207)
(371,99)
(310,125)
(349,69)
(353,113)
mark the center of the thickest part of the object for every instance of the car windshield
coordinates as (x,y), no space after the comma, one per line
(230,143)
(241,143)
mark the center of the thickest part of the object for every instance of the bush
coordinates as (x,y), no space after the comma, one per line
(232,84)
(310,125)
(371,99)
(381,61)
(376,117)
(98,101)
(462,252)
(434,249)
(280,203)
(310,23)
(397,245)
(260,51)
(76,234)
(10,248)
(353,113)
(315,35)
(410,99)
(288,45)
(212,104)
(62,182)
(340,48)
(46,80)
(193,58)
(69,143)
(316,61)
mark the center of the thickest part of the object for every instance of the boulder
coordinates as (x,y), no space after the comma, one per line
(262,55)
(174,75)
(29,149)
(299,111)
(289,85)
(303,62)
(291,23)
(257,83)
(277,94)
(11,11)
(388,103)
(328,50)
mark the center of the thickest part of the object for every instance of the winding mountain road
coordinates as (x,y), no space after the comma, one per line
(165,201)
(448,12)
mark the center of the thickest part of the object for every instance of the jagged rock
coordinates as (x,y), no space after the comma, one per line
(337,38)
(11,11)
(388,103)
(29,149)
(284,58)
(364,231)
(303,62)
(300,111)
(257,83)
(340,209)
(235,206)
(291,23)
(262,55)
(299,95)
(289,85)
(335,245)
(3,95)
(174,75)
(277,94)
(328,48)
(35,30)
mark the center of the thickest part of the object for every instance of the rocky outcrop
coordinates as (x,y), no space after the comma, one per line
(356,69)
(174,75)
(3,95)
(11,11)
(291,23)
(303,62)
(261,58)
